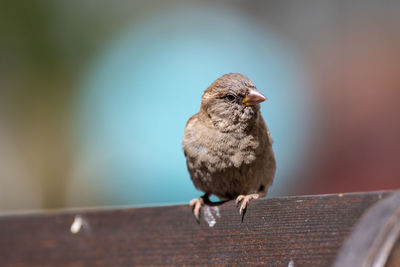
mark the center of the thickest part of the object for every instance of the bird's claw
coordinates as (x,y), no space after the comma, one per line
(244,201)
(196,205)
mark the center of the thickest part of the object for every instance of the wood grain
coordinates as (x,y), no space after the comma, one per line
(303,230)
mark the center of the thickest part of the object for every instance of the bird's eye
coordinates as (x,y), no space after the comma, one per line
(230,97)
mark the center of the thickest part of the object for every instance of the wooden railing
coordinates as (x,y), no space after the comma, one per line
(286,231)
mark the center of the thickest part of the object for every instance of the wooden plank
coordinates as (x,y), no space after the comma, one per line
(288,231)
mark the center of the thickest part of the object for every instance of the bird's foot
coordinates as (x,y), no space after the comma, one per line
(244,200)
(196,204)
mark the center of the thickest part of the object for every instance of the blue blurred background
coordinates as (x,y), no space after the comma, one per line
(95,95)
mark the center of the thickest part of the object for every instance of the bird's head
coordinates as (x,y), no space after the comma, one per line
(231,102)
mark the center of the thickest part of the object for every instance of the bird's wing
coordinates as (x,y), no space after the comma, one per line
(191,119)
(187,136)
(271,141)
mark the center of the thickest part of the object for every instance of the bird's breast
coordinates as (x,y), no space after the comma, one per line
(217,151)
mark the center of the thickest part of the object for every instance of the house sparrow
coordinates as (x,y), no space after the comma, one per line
(227,145)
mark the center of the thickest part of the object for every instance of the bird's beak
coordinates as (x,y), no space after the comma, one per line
(253,97)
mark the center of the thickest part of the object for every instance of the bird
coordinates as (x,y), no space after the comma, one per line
(227,144)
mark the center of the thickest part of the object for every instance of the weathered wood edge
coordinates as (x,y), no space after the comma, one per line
(73,210)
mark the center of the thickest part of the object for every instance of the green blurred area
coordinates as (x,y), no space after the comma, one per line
(44,47)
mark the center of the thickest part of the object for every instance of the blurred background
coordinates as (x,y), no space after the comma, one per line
(95,94)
